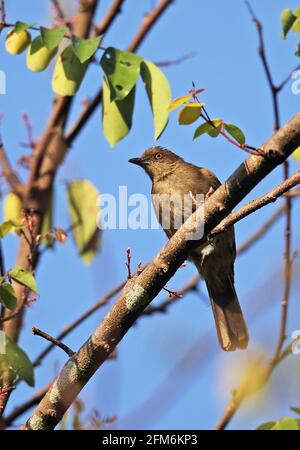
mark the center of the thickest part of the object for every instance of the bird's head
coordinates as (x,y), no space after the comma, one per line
(158,162)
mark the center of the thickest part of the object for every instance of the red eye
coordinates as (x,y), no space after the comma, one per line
(158,156)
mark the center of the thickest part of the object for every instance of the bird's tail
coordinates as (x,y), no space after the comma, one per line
(229,319)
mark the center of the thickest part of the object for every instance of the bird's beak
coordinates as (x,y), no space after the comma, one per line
(137,161)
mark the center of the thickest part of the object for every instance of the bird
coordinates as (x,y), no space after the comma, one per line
(172,175)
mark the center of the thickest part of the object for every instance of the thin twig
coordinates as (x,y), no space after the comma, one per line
(17,412)
(111,15)
(259,203)
(287,79)
(69,328)
(242,393)
(11,177)
(191,285)
(292,194)
(173,62)
(288,260)
(262,230)
(3,15)
(279,354)
(54,341)
(288,204)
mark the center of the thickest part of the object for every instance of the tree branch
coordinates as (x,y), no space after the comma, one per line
(11,177)
(277,357)
(262,230)
(243,392)
(191,285)
(142,289)
(111,15)
(56,342)
(257,204)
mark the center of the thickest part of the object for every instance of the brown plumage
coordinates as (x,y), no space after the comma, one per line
(172,176)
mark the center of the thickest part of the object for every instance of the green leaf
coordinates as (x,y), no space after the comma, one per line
(84,212)
(116,115)
(266,426)
(287,21)
(52,37)
(235,132)
(14,362)
(21,26)
(297,52)
(68,73)
(5,227)
(159,94)
(296,154)
(287,423)
(8,296)
(122,70)
(24,278)
(202,129)
(209,129)
(190,113)
(215,131)
(296,26)
(84,49)
(295,408)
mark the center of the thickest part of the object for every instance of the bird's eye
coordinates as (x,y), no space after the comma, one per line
(158,156)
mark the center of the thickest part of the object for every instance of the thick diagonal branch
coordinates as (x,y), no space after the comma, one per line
(141,290)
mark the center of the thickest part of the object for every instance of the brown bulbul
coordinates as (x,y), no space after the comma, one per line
(170,176)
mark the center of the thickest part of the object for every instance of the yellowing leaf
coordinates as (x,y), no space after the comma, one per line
(178,102)
(181,100)
(68,73)
(266,426)
(296,154)
(287,21)
(12,210)
(23,277)
(116,115)
(16,42)
(296,26)
(159,94)
(5,227)
(189,114)
(83,211)
(38,56)
(287,423)
(14,363)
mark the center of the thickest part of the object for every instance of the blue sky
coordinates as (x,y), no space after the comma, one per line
(170,372)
